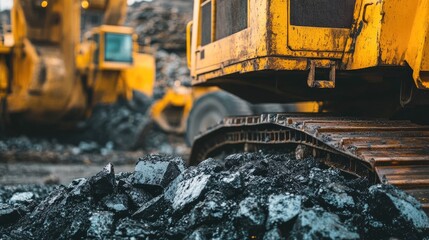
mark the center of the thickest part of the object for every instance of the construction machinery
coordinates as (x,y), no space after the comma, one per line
(54,75)
(362,59)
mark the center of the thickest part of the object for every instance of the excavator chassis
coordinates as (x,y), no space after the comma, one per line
(394,152)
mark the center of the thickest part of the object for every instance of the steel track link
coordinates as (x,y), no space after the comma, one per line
(395,152)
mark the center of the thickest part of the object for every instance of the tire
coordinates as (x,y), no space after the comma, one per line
(210,109)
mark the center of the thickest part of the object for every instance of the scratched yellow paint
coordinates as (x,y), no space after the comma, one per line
(417,53)
(384,33)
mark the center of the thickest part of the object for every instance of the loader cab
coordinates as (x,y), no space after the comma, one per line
(6,35)
(113,47)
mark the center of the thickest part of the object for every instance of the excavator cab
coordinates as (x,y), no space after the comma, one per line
(113,47)
(109,60)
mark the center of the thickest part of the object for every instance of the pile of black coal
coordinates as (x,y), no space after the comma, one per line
(161,23)
(249,195)
(171,68)
(18,201)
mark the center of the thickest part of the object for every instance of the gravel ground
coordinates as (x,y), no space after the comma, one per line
(252,195)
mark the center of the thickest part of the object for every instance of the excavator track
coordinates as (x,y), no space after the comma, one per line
(395,152)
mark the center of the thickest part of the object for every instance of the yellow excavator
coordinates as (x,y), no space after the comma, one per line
(52,74)
(366,61)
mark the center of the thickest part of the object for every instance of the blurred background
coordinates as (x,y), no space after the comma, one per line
(53,156)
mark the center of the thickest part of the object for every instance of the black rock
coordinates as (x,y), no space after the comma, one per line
(129,228)
(211,210)
(318,224)
(138,197)
(232,184)
(8,214)
(199,234)
(152,209)
(154,176)
(101,225)
(79,189)
(251,212)
(116,203)
(170,191)
(335,196)
(189,191)
(260,168)
(394,207)
(179,163)
(273,234)
(233,160)
(21,198)
(104,182)
(210,166)
(282,209)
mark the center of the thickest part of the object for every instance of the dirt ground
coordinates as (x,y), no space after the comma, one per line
(26,160)
(36,173)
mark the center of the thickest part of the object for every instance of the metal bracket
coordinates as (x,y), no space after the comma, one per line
(313,83)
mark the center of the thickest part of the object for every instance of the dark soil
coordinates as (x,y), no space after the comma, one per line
(252,195)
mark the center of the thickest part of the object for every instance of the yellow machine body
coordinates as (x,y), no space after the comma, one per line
(171,112)
(51,77)
(118,70)
(298,50)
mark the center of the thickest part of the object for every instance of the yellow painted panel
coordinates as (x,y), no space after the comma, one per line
(317,39)
(398,17)
(365,39)
(248,43)
(141,76)
(417,55)
(4,75)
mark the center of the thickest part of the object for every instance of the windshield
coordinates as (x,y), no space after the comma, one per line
(118,48)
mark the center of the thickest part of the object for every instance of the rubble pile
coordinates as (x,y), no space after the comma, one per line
(171,68)
(161,23)
(249,195)
(52,150)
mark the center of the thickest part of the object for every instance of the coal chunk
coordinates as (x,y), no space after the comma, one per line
(152,209)
(232,184)
(8,214)
(210,166)
(190,190)
(170,191)
(138,197)
(129,228)
(393,206)
(104,182)
(336,196)
(79,188)
(116,203)
(251,212)
(318,224)
(272,234)
(212,209)
(282,208)
(21,198)
(101,224)
(154,175)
